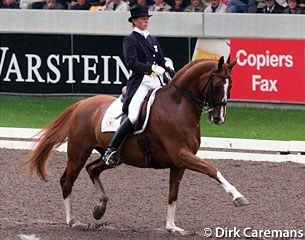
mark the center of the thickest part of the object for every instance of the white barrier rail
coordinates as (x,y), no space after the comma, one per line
(173,24)
(252,149)
(210,148)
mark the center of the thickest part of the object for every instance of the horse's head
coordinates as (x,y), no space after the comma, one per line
(206,84)
(218,91)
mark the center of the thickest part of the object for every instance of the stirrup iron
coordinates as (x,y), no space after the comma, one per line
(111,158)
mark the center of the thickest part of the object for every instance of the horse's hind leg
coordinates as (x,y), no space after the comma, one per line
(176,175)
(192,162)
(76,161)
(94,169)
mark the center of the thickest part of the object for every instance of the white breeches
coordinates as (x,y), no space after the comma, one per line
(147,84)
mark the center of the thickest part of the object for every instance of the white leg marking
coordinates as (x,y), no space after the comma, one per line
(68,209)
(170,220)
(229,188)
(69,214)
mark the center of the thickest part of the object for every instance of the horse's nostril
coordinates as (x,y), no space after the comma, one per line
(216,120)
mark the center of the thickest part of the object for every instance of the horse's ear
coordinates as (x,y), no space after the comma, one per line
(220,63)
(231,65)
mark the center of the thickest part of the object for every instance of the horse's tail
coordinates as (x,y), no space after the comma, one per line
(53,135)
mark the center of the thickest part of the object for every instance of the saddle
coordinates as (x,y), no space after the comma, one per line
(114,116)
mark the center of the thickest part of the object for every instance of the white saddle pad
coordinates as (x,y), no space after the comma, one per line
(112,118)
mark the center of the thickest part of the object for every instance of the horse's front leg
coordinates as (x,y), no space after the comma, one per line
(238,199)
(190,161)
(176,175)
(94,169)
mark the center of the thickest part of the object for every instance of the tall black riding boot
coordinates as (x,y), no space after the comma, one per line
(111,157)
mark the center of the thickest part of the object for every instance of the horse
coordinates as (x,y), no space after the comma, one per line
(172,135)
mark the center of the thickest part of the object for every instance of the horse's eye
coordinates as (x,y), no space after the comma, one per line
(216,88)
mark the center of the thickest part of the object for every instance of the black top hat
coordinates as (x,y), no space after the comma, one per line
(138,11)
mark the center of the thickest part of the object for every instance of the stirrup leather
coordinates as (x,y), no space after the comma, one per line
(111,157)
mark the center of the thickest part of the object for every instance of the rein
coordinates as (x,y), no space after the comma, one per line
(195,101)
(203,105)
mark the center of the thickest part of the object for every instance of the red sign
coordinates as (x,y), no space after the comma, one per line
(268,70)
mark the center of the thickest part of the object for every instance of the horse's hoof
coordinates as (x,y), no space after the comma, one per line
(99,211)
(241,201)
(77,224)
(176,230)
(182,233)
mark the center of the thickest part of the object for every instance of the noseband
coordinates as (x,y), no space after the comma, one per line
(203,105)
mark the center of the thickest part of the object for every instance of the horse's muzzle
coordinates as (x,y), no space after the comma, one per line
(218,120)
(215,118)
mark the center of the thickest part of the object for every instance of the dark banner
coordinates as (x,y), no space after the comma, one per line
(70,64)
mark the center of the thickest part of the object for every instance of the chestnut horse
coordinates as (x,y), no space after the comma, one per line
(172,134)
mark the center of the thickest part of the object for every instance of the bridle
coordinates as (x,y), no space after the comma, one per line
(204,105)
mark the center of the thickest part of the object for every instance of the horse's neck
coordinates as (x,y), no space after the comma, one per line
(192,80)
(177,104)
(192,77)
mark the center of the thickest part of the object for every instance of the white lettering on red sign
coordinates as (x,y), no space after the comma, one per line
(264,85)
(263,60)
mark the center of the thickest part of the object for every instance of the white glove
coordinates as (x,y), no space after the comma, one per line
(169,64)
(157,69)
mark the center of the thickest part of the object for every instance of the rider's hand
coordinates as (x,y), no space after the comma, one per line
(170,68)
(169,64)
(157,69)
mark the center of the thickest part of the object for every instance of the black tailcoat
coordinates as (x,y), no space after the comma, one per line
(140,54)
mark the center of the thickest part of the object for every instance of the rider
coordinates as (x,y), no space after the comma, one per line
(144,57)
